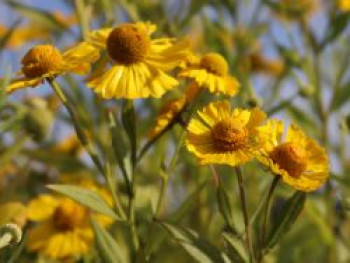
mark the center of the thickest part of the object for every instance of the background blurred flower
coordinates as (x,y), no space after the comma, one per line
(211,72)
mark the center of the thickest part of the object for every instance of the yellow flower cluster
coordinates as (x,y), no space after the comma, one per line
(220,135)
(140,65)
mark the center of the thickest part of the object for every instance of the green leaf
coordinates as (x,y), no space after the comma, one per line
(85,197)
(235,248)
(119,146)
(198,248)
(289,214)
(341,97)
(106,245)
(225,206)
(336,27)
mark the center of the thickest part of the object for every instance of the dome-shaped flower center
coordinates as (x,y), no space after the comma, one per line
(214,63)
(229,136)
(69,215)
(40,60)
(290,157)
(128,44)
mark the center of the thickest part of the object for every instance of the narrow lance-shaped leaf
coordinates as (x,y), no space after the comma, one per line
(85,197)
(198,248)
(289,214)
(106,245)
(236,250)
(225,206)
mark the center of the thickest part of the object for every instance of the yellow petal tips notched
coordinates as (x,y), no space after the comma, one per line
(43,61)
(211,72)
(299,160)
(140,65)
(220,135)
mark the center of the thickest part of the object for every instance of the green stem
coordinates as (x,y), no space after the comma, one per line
(245,212)
(83,18)
(80,133)
(266,213)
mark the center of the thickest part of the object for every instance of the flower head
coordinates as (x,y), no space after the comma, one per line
(219,135)
(44,61)
(299,160)
(211,71)
(63,228)
(344,5)
(170,111)
(139,63)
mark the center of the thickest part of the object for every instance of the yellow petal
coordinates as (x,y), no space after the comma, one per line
(42,207)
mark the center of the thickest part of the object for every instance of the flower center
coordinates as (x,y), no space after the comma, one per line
(69,215)
(128,44)
(214,63)
(229,136)
(290,157)
(40,60)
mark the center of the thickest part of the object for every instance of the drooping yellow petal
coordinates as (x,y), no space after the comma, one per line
(42,207)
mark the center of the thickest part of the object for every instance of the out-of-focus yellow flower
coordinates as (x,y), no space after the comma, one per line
(344,5)
(294,9)
(43,61)
(34,31)
(139,63)
(260,64)
(63,229)
(221,136)
(13,212)
(299,160)
(211,72)
(69,145)
(171,110)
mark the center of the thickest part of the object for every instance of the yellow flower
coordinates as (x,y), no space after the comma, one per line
(63,229)
(259,63)
(344,5)
(222,136)
(171,110)
(139,64)
(211,71)
(70,145)
(299,160)
(43,61)
(167,115)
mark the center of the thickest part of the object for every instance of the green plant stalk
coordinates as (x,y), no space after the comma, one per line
(245,213)
(83,18)
(162,193)
(80,133)
(85,141)
(267,204)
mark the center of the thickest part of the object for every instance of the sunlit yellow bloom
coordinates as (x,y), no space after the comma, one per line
(299,160)
(294,9)
(139,64)
(220,135)
(211,71)
(172,109)
(63,228)
(69,145)
(43,61)
(344,5)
